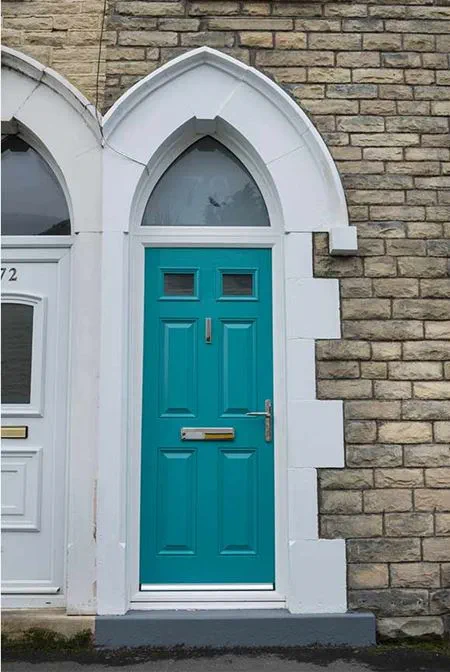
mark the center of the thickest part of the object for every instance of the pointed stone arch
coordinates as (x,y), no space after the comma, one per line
(208,88)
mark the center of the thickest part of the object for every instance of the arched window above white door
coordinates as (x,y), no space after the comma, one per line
(207,185)
(33,202)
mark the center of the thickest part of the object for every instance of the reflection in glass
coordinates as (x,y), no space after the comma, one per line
(33,202)
(237,284)
(179,284)
(17,339)
(206,186)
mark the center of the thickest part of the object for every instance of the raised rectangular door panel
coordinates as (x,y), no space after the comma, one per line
(207,504)
(178,367)
(177,498)
(238,502)
(238,383)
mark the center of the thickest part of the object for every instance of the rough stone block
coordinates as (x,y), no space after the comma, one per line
(435,288)
(360,431)
(415,575)
(377,455)
(365,309)
(396,287)
(372,410)
(390,602)
(443,524)
(346,350)
(427,455)
(437,477)
(384,550)
(291,41)
(425,309)
(344,389)
(259,39)
(379,501)
(388,389)
(338,369)
(398,478)
(409,524)
(432,500)
(412,626)
(427,350)
(373,370)
(435,390)
(440,601)
(346,479)
(426,410)
(370,575)
(386,350)
(340,501)
(442,431)
(437,329)
(380,267)
(339,527)
(415,370)
(388,330)
(356,287)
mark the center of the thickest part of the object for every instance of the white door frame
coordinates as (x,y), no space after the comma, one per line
(219,598)
(249,237)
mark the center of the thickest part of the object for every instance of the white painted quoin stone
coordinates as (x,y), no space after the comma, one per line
(202,92)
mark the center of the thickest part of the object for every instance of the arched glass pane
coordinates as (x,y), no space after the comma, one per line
(33,202)
(206,186)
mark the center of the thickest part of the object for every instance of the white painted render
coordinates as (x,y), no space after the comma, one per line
(108,169)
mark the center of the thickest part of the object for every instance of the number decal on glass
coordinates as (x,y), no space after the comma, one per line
(8,273)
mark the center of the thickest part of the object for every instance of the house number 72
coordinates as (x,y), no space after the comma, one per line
(8,273)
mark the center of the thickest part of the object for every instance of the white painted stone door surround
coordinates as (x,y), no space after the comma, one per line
(61,124)
(202,92)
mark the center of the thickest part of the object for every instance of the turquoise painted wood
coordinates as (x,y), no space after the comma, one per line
(207,507)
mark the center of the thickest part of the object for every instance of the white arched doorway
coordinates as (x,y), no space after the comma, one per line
(57,275)
(205,93)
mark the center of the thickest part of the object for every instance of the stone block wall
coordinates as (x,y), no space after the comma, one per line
(392,500)
(374,77)
(63,34)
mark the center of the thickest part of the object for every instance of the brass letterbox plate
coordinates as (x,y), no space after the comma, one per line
(207,433)
(15,432)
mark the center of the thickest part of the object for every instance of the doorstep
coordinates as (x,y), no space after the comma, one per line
(234,628)
(17,622)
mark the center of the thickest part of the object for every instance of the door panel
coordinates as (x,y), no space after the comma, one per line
(178,368)
(176,501)
(34,357)
(207,509)
(238,495)
(238,383)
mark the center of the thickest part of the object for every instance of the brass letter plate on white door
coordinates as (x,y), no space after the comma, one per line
(207,433)
(15,432)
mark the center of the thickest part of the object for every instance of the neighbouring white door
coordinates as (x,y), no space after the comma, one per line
(34,356)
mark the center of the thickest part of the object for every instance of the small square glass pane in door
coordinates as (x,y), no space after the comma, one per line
(17,341)
(178,284)
(237,284)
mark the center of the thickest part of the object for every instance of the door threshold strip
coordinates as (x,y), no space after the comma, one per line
(206,586)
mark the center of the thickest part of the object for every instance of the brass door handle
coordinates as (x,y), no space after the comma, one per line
(267,415)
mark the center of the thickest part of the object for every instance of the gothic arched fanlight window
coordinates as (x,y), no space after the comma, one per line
(33,202)
(206,185)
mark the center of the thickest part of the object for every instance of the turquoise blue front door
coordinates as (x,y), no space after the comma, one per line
(207,489)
